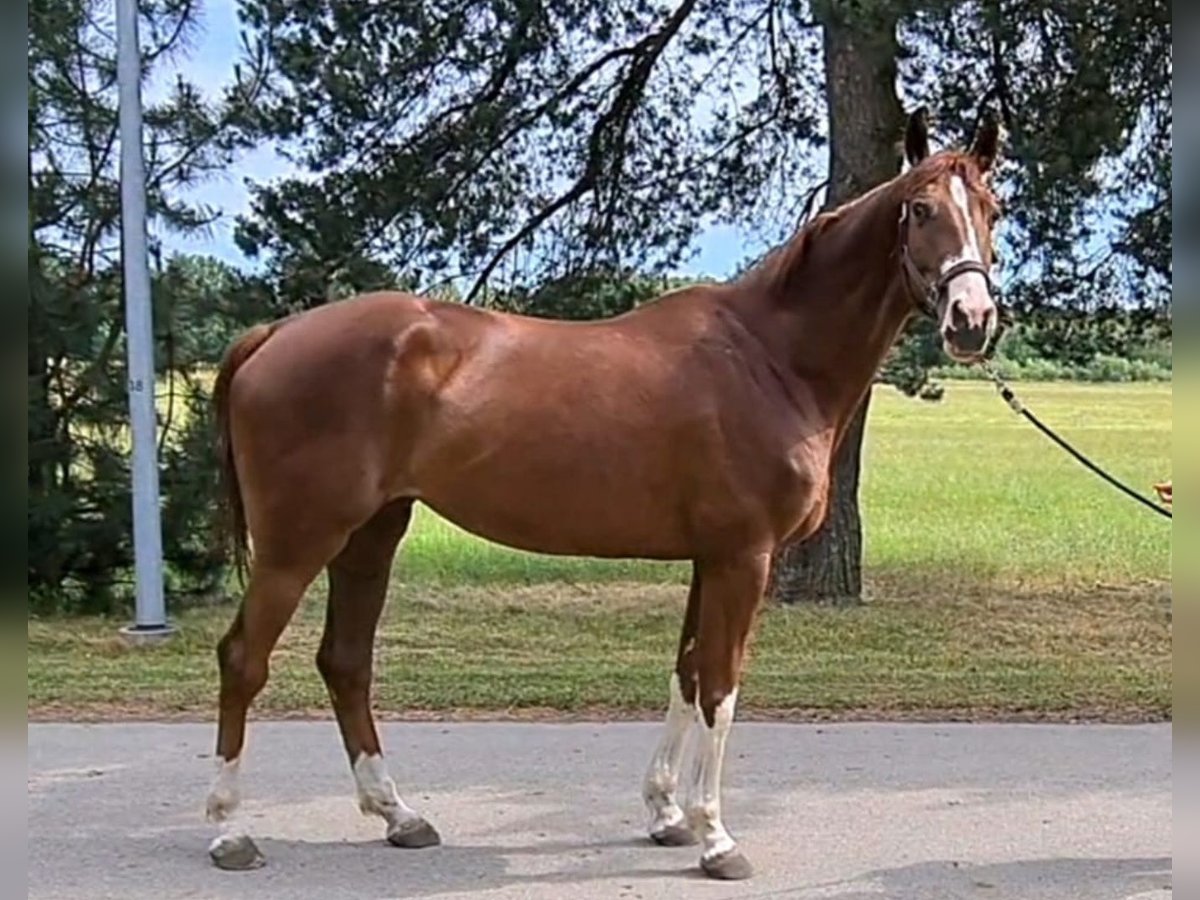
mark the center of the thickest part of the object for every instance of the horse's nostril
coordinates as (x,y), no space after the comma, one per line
(958,315)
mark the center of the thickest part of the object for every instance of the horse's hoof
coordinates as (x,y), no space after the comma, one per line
(728,866)
(674,836)
(235,852)
(414,835)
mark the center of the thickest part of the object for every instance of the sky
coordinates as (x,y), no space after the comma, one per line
(216,46)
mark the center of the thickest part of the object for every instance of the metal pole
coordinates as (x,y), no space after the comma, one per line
(150,618)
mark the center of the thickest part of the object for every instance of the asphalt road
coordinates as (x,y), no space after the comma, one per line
(850,812)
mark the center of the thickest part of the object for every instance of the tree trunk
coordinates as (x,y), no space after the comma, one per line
(866,126)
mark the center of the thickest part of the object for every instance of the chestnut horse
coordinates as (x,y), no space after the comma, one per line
(700,426)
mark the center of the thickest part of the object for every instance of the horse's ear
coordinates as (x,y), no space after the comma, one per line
(916,136)
(986,145)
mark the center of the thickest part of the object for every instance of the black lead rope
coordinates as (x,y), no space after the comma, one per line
(1018,407)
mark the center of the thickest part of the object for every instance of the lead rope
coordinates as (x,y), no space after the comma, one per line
(1018,407)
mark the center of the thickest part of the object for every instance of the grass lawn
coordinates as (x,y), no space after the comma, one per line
(1004,581)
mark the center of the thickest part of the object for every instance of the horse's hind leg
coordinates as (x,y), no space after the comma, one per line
(358,580)
(243,654)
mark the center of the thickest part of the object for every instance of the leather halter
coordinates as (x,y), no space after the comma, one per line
(929,296)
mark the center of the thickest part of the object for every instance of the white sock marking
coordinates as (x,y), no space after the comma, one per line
(225,796)
(223,802)
(662,776)
(704,806)
(377,792)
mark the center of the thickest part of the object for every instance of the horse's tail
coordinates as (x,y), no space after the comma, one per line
(234,532)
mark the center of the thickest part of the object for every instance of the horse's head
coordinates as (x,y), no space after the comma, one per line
(946,221)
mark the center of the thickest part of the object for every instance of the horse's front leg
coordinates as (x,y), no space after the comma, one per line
(729,598)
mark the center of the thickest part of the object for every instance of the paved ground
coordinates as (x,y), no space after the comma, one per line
(852,812)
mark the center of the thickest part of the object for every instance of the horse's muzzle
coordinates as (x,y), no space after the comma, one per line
(968,327)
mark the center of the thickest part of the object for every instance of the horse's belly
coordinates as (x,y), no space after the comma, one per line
(581,514)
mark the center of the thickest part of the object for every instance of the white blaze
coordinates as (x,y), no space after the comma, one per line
(969,290)
(970,249)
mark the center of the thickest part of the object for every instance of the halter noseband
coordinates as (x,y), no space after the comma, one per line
(929,296)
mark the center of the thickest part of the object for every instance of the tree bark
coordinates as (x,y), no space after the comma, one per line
(866,126)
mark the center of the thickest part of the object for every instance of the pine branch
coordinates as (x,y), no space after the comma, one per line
(608,136)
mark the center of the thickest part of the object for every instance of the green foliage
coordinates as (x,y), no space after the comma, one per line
(79,507)
(908,365)
(78,476)
(1100,370)
(597,294)
(200,305)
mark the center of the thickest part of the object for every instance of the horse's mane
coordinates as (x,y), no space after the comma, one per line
(777,266)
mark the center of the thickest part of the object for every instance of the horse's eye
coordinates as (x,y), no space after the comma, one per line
(922,210)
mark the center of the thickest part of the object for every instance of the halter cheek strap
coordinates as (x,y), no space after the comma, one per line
(929,293)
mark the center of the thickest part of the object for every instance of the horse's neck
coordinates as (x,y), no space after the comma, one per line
(832,313)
